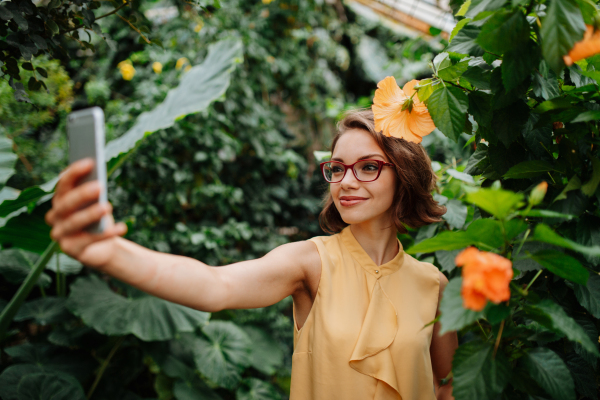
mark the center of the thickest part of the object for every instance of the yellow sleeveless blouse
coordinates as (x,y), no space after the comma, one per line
(364,337)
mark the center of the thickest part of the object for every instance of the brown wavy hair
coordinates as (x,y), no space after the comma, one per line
(413,202)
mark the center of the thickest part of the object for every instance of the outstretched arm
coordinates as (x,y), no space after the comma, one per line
(247,284)
(442,350)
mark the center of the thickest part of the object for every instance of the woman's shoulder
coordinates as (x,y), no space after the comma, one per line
(425,269)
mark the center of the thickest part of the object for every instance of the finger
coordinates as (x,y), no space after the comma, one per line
(73,173)
(75,244)
(79,220)
(78,198)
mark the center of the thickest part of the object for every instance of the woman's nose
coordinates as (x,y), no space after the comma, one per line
(349,180)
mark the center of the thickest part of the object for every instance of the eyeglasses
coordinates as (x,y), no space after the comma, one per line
(364,170)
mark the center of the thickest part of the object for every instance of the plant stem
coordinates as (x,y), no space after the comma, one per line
(135,29)
(534,278)
(522,242)
(498,339)
(104,365)
(482,330)
(100,17)
(12,307)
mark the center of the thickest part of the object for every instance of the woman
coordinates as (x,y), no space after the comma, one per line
(361,304)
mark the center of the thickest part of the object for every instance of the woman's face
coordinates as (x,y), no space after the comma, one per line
(358,201)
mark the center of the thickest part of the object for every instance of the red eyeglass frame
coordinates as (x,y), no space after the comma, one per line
(351,166)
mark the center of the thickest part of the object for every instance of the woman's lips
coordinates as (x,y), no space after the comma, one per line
(348,201)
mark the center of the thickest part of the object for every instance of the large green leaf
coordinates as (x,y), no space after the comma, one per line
(504,31)
(453,315)
(7,161)
(456,213)
(589,295)
(16,265)
(199,87)
(477,374)
(44,310)
(583,375)
(448,108)
(543,233)
(223,353)
(589,188)
(464,42)
(588,234)
(482,232)
(497,202)
(265,354)
(562,26)
(255,389)
(528,169)
(550,372)
(478,6)
(562,265)
(49,386)
(553,317)
(518,62)
(147,317)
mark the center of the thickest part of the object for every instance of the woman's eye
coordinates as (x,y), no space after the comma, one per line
(336,169)
(370,167)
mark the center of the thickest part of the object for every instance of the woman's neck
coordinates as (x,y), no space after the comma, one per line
(377,240)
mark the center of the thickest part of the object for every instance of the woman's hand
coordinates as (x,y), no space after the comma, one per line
(67,221)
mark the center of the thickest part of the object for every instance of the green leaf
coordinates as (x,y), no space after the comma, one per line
(8,159)
(459,25)
(504,31)
(553,317)
(544,234)
(583,375)
(545,214)
(147,317)
(529,169)
(588,234)
(562,26)
(44,310)
(545,82)
(453,72)
(425,88)
(478,6)
(589,188)
(508,122)
(453,315)
(16,265)
(554,104)
(199,87)
(45,385)
(483,232)
(265,355)
(5,13)
(497,202)
(476,158)
(255,389)
(461,176)
(550,372)
(456,213)
(477,374)
(589,295)
(464,42)
(225,350)
(518,63)
(562,265)
(448,107)
(586,116)
(446,259)
(478,77)
(42,72)
(463,9)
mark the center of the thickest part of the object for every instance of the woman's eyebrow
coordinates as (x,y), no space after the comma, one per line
(360,158)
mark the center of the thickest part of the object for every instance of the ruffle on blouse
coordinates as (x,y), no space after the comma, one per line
(371,355)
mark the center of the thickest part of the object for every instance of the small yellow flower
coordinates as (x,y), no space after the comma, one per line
(127,70)
(181,62)
(267,1)
(187,68)
(198,27)
(157,67)
(270,59)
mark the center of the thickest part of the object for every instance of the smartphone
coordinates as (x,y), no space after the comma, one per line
(85,130)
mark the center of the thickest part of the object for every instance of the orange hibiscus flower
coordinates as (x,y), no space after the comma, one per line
(399,112)
(486,276)
(588,46)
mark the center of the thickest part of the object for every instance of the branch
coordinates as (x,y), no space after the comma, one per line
(135,29)
(100,17)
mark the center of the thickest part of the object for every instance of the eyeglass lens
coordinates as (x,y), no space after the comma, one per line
(364,171)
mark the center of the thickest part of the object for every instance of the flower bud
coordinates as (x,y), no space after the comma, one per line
(538,193)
